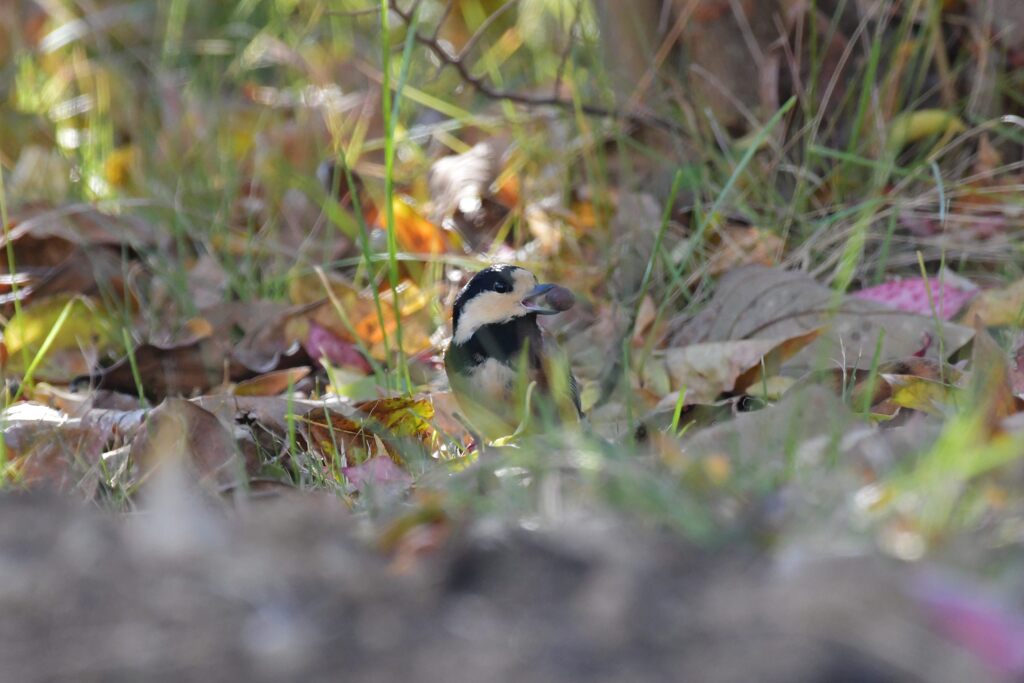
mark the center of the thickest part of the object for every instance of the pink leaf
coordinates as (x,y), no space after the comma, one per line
(911,295)
(380,471)
(322,343)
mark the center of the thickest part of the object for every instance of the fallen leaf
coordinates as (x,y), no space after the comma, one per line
(77,224)
(44,446)
(856,382)
(912,295)
(379,471)
(707,370)
(991,385)
(86,271)
(414,233)
(918,393)
(86,330)
(765,303)
(180,431)
(350,439)
(997,307)
(323,344)
(276,414)
(187,368)
(914,126)
(645,317)
(271,383)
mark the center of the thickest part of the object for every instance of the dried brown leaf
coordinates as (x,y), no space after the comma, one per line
(180,431)
(767,303)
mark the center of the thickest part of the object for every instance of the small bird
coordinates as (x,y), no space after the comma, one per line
(498,349)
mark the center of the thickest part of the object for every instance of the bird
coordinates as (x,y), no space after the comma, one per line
(498,351)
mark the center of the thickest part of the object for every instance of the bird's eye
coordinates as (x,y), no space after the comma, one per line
(502,287)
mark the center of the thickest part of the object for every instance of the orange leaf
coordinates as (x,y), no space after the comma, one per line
(415,233)
(271,383)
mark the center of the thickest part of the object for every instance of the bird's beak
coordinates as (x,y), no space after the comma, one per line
(536,301)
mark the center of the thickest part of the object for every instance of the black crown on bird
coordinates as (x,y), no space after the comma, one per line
(496,342)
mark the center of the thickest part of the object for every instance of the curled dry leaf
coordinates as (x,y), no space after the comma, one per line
(767,303)
(705,371)
(323,344)
(180,431)
(271,383)
(74,224)
(396,424)
(991,384)
(187,368)
(996,307)
(44,446)
(921,384)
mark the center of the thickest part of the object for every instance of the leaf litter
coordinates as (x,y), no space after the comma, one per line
(206,317)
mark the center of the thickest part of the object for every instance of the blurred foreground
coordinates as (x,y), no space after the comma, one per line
(287,592)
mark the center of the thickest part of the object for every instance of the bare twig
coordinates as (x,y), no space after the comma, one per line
(482,86)
(467,49)
(444,17)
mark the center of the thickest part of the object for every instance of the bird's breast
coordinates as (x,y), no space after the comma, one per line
(492,380)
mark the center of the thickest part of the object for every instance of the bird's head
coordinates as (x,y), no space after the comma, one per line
(499,294)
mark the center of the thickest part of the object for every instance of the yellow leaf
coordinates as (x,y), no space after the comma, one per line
(913,126)
(352,439)
(924,395)
(118,167)
(771,388)
(401,416)
(87,326)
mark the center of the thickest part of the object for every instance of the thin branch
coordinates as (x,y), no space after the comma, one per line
(482,86)
(475,38)
(444,17)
